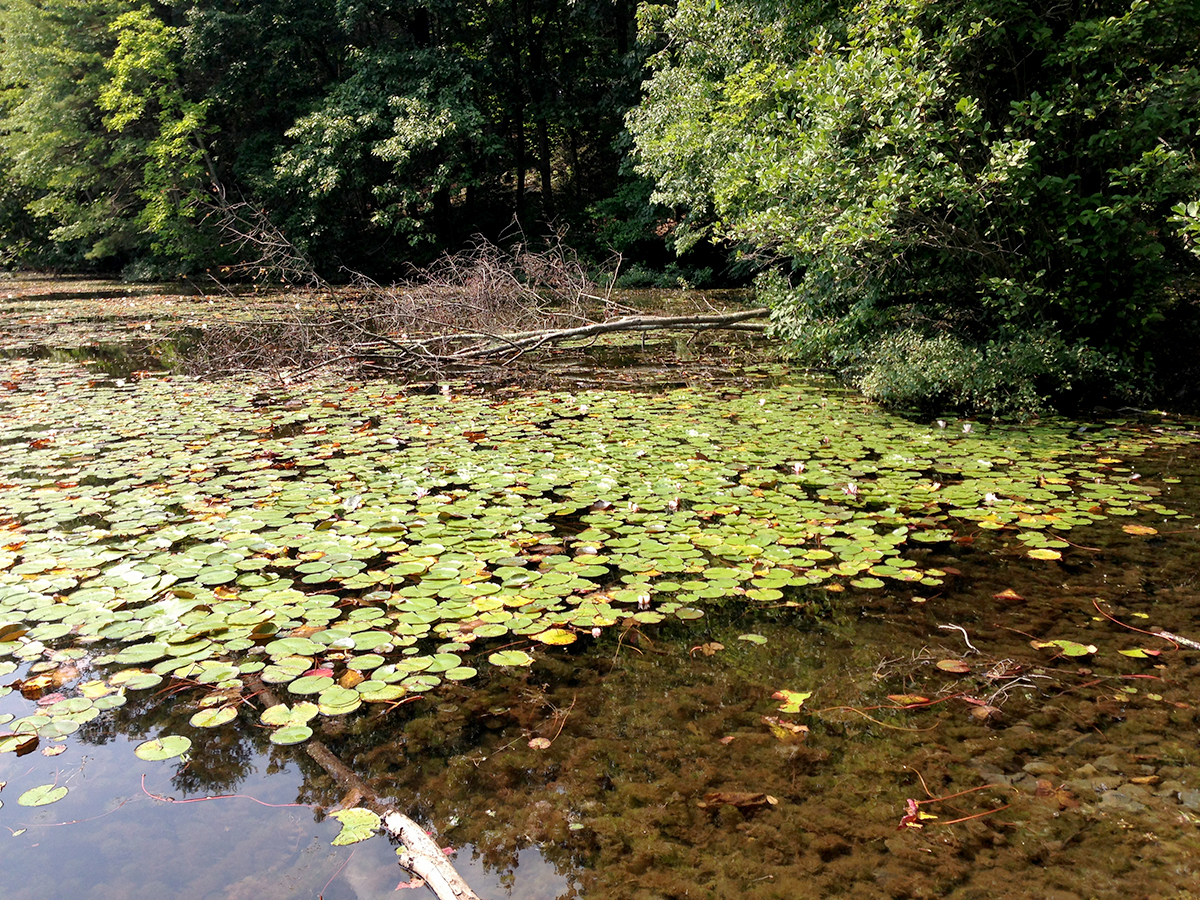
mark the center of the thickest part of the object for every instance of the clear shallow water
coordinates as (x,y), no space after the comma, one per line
(110,839)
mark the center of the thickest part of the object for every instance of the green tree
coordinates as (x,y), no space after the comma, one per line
(58,155)
(381,132)
(969,201)
(96,135)
(164,132)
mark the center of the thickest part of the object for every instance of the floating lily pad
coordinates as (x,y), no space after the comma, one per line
(291,734)
(140,654)
(42,795)
(167,747)
(211,718)
(555,636)
(311,684)
(510,658)
(135,680)
(357,825)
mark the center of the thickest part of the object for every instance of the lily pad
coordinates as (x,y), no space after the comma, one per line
(211,718)
(42,795)
(510,658)
(357,825)
(291,734)
(166,747)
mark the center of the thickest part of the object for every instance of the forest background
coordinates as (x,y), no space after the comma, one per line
(985,204)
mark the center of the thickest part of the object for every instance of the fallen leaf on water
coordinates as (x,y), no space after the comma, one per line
(54,751)
(539,743)
(785,731)
(1139,529)
(414,882)
(907,699)
(1044,553)
(954,666)
(793,700)
(1067,648)
(728,739)
(985,713)
(1008,594)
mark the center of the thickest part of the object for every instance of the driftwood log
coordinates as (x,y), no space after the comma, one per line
(421,855)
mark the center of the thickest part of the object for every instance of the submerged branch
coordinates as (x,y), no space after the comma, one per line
(420,855)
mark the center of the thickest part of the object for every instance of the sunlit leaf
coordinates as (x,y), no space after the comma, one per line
(792,700)
(357,825)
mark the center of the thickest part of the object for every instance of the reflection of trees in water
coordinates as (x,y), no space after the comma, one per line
(424,756)
(220,758)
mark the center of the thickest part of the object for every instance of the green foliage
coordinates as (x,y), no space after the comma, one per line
(1186,217)
(1001,172)
(96,135)
(57,154)
(939,373)
(362,134)
(144,102)
(382,151)
(379,134)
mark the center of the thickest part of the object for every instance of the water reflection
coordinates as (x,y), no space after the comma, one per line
(112,838)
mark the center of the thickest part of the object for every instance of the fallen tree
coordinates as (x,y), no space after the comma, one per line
(484,307)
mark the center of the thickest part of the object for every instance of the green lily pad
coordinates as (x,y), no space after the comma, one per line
(291,734)
(42,795)
(357,825)
(311,684)
(510,658)
(140,654)
(211,718)
(166,747)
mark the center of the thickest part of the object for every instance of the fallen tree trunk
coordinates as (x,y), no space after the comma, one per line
(421,855)
(526,341)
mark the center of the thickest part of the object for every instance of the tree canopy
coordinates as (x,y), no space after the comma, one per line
(983,203)
(991,190)
(371,134)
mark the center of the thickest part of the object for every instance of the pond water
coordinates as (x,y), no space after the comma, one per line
(755,641)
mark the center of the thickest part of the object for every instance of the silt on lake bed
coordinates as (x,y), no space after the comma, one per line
(763,643)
